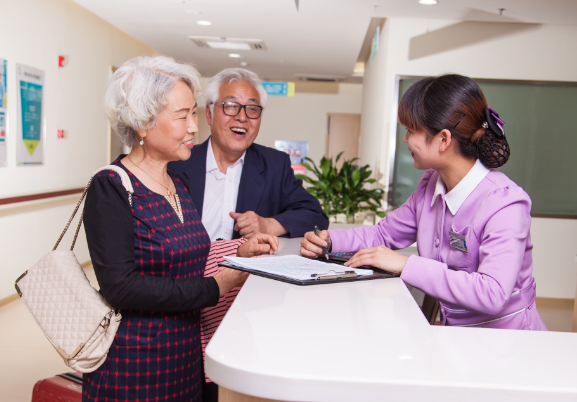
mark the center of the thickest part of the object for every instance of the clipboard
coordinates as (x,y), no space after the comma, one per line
(323,278)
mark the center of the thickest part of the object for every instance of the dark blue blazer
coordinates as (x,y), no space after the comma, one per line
(267,186)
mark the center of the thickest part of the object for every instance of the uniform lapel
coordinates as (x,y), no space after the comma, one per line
(195,174)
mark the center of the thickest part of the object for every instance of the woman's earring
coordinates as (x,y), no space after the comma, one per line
(141,140)
(440,149)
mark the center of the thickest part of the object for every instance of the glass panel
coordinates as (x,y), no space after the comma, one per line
(541,128)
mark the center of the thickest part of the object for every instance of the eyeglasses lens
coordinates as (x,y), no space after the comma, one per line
(233,109)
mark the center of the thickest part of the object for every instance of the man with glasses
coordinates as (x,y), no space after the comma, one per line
(240,188)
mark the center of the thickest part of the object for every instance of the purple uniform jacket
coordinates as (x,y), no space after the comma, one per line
(491,285)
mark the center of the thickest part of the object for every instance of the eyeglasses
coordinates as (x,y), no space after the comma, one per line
(233,109)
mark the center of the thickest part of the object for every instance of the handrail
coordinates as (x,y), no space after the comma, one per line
(41,196)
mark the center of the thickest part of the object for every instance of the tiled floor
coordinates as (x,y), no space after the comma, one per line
(26,356)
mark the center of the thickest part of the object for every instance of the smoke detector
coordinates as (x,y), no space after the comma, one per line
(222,43)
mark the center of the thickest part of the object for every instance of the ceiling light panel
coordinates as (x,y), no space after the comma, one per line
(223,43)
(228,45)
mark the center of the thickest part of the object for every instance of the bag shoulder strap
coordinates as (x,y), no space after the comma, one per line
(125,182)
(123,177)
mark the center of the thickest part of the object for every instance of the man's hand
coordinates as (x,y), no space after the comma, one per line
(257,245)
(250,223)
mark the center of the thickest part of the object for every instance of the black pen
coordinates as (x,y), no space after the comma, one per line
(324,249)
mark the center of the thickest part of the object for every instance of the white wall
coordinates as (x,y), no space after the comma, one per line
(481,50)
(34,33)
(304,117)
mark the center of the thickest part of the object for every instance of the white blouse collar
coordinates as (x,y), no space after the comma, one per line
(457,196)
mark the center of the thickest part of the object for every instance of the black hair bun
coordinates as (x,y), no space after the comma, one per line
(493,149)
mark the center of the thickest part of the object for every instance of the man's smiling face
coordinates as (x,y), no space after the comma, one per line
(232,135)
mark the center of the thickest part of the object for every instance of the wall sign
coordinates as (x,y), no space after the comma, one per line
(3,105)
(297,150)
(31,118)
(375,44)
(279,88)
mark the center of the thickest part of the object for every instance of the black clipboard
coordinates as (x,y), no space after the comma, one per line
(377,274)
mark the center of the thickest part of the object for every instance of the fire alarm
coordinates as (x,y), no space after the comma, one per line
(60,134)
(61,60)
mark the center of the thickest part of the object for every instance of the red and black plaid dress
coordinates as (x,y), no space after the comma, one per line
(157,356)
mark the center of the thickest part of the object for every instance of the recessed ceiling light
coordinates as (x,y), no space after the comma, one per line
(428,2)
(204,23)
(228,45)
(192,12)
(234,55)
(244,64)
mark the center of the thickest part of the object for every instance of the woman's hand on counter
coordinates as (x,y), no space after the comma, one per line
(258,244)
(379,257)
(311,244)
(228,279)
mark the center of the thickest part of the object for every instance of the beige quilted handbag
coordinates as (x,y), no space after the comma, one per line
(73,315)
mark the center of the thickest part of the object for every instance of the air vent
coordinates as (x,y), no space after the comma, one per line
(217,42)
(321,78)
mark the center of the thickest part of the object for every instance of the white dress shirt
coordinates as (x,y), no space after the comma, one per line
(457,196)
(220,195)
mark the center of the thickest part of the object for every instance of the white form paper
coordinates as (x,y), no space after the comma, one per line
(293,266)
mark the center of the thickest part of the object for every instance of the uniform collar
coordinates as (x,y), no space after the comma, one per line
(211,164)
(457,196)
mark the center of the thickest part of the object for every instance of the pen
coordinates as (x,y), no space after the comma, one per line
(324,249)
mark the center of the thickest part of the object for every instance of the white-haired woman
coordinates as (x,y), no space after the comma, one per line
(149,259)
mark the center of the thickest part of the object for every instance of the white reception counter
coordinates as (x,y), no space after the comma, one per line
(368,341)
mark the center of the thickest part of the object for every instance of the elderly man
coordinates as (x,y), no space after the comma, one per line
(240,188)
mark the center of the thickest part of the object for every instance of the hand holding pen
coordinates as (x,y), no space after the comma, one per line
(314,245)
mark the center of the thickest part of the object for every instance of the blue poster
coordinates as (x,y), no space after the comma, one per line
(3,85)
(31,98)
(31,116)
(279,88)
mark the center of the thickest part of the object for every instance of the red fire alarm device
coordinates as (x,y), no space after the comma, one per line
(60,134)
(61,60)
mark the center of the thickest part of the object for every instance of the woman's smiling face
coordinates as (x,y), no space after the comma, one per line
(171,137)
(421,150)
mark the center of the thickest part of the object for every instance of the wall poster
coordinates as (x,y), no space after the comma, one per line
(3,104)
(297,150)
(31,118)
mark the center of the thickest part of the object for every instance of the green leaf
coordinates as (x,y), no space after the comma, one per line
(356,176)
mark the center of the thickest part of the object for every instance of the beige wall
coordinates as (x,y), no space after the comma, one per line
(481,50)
(304,117)
(34,33)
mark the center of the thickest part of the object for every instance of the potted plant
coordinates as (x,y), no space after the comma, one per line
(343,191)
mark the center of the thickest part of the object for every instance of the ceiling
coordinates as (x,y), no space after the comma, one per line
(322,37)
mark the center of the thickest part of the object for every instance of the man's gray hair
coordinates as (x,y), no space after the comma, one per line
(137,91)
(230,75)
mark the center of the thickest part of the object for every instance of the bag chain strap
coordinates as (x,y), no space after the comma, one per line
(81,218)
(71,218)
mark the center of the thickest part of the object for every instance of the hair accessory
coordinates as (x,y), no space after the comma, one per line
(462,117)
(494,122)
(485,125)
(141,140)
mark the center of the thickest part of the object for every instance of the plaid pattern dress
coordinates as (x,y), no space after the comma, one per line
(157,356)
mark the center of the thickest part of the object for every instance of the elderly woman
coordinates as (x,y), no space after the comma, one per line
(150,258)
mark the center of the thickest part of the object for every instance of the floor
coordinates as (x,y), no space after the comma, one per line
(26,355)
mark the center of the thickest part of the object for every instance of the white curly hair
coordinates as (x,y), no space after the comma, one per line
(137,91)
(229,75)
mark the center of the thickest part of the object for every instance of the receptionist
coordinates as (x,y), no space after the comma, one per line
(471,222)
